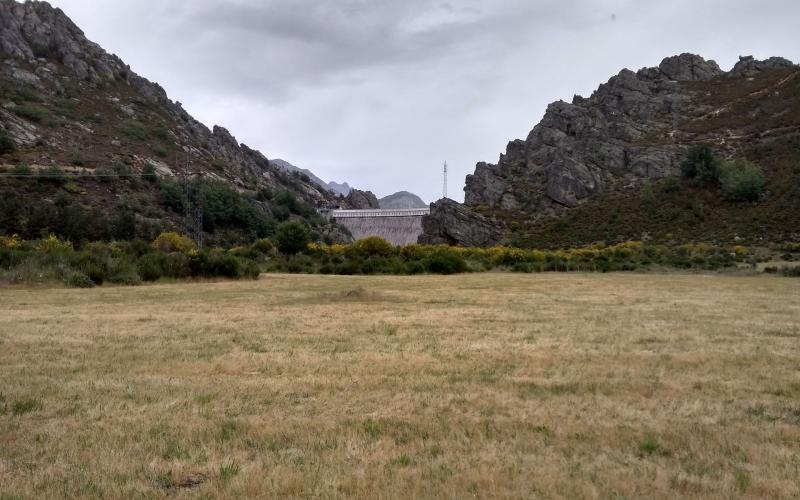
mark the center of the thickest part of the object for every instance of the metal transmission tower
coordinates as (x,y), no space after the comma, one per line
(444,189)
(198,212)
(193,201)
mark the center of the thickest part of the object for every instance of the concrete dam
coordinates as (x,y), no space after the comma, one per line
(399,227)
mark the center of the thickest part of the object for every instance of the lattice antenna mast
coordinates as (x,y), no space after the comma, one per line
(444,188)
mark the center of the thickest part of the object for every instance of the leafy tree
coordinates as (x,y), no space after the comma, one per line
(292,237)
(741,180)
(701,165)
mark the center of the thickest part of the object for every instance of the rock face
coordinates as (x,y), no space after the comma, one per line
(402,200)
(362,200)
(66,100)
(600,143)
(748,66)
(451,223)
(626,133)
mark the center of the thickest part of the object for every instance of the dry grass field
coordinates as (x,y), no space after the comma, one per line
(477,386)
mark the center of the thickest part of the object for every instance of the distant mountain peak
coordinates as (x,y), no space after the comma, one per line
(339,189)
(402,200)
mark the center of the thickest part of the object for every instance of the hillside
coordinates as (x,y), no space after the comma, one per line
(91,150)
(606,167)
(402,200)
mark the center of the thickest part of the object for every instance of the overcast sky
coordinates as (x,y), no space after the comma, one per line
(379,93)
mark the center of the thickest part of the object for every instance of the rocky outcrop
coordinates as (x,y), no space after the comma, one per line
(625,134)
(362,200)
(451,223)
(749,66)
(600,143)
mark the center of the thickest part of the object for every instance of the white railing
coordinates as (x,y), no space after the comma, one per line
(361,214)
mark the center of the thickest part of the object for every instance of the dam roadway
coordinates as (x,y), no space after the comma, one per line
(399,227)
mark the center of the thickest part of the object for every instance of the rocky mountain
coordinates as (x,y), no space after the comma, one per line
(632,133)
(69,107)
(342,189)
(402,200)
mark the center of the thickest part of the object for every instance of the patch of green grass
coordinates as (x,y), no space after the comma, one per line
(228,470)
(204,399)
(564,389)
(228,430)
(650,445)
(372,428)
(25,406)
(401,461)
(742,480)
(173,450)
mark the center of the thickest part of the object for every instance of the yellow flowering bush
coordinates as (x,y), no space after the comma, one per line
(52,244)
(12,242)
(173,242)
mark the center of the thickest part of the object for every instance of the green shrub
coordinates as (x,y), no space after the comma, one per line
(151,266)
(250,270)
(78,280)
(373,246)
(134,130)
(292,237)
(7,145)
(445,262)
(52,175)
(741,180)
(670,185)
(149,174)
(791,272)
(263,246)
(31,112)
(227,266)
(701,165)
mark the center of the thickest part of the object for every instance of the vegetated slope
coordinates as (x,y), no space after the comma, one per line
(402,200)
(606,168)
(69,108)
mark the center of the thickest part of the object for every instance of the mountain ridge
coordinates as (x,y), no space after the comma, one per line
(338,188)
(632,132)
(67,104)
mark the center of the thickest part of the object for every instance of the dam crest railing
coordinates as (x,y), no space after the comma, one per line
(361,214)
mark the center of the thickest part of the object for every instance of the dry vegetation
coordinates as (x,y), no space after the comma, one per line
(491,385)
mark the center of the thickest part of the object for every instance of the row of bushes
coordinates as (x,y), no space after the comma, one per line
(174,256)
(126,263)
(375,256)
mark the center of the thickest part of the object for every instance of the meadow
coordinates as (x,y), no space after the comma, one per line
(492,385)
